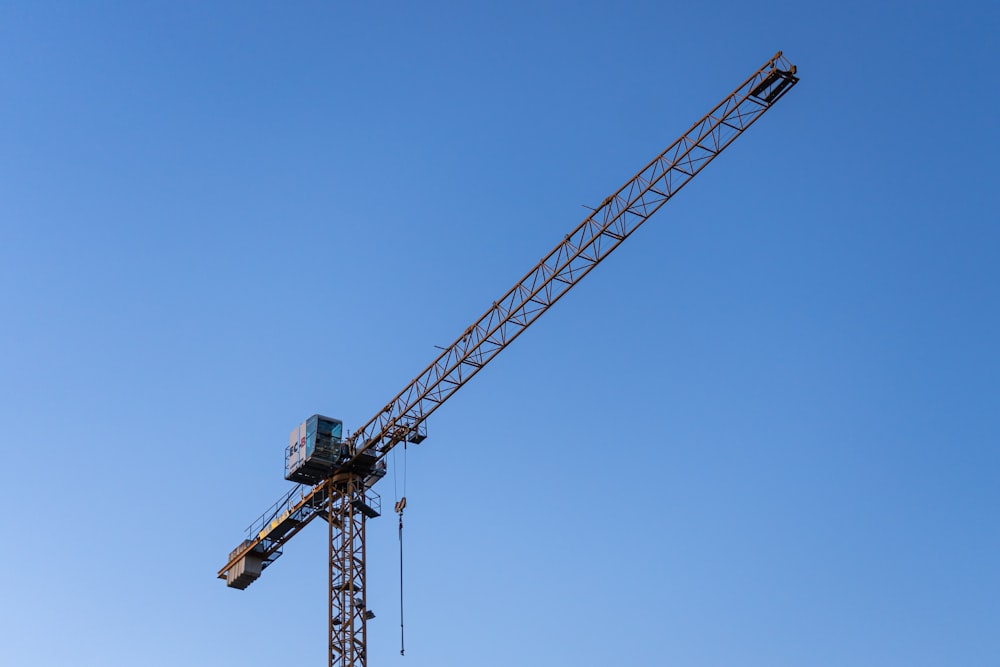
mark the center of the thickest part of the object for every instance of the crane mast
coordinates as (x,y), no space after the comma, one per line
(341,493)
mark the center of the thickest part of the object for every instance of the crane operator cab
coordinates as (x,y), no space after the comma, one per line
(315,449)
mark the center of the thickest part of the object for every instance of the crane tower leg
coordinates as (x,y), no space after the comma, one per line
(348,511)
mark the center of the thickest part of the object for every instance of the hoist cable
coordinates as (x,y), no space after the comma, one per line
(400,506)
(402,638)
(395,487)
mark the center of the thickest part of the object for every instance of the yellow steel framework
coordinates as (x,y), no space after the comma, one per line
(345,499)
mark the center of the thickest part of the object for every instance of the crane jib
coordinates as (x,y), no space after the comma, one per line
(345,498)
(594,238)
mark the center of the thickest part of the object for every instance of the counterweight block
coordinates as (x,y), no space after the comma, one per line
(246,570)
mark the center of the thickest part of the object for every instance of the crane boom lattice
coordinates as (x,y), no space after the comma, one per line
(345,499)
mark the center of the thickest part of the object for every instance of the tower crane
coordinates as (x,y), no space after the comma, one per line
(334,472)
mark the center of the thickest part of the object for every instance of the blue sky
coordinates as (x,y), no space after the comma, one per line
(764,432)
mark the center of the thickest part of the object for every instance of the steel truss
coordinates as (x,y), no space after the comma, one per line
(348,508)
(402,419)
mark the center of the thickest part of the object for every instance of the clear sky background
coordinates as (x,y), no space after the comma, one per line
(765,431)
